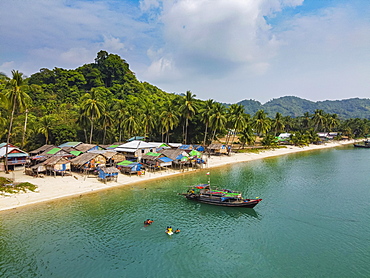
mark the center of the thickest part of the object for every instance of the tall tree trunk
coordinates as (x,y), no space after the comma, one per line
(105,132)
(205,135)
(85,132)
(234,132)
(213,137)
(24,129)
(8,138)
(186,130)
(91,128)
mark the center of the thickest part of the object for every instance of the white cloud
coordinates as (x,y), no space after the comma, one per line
(7,67)
(113,44)
(218,37)
(225,49)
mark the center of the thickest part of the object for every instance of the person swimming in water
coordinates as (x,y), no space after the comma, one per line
(169,230)
(177,231)
(148,222)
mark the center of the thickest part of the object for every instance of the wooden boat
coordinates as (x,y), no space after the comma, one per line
(365,144)
(221,197)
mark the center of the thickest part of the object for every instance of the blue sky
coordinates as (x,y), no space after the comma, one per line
(226,50)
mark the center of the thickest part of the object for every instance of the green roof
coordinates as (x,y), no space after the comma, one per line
(153,154)
(76,153)
(195,153)
(53,151)
(125,162)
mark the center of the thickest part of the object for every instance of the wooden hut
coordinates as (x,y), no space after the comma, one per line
(37,170)
(156,161)
(86,147)
(112,156)
(108,173)
(58,165)
(179,157)
(217,149)
(88,162)
(41,150)
(129,167)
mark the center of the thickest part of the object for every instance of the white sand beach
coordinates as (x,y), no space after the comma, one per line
(51,188)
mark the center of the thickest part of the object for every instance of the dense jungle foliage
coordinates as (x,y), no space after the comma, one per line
(103,102)
(295,107)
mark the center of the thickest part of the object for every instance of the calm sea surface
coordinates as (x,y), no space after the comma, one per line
(314,221)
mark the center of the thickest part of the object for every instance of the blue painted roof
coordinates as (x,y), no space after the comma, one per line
(69,144)
(165,159)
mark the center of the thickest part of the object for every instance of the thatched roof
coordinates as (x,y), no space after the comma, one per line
(55,159)
(85,147)
(37,166)
(53,151)
(109,170)
(107,153)
(42,149)
(83,158)
(216,146)
(69,149)
(172,153)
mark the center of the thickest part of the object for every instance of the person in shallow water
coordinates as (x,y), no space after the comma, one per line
(148,222)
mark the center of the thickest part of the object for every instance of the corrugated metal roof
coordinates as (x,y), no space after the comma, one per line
(70,144)
(165,159)
(10,149)
(136,145)
(53,151)
(125,150)
(17,155)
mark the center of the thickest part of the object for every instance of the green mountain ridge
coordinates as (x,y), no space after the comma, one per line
(294,107)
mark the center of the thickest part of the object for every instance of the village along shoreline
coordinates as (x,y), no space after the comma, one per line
(55,188)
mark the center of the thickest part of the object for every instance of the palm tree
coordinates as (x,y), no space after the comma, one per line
(131,122)
(217,121)
(188,109)
(278,123)
(269,141)
(261,123)
(148,118)
(17,98)
(46,126)
(83,122)
(332,121)
(107,121)
(247,136)
(306,120)
(299,139)
(120,110)
(318,119)
(313,136)
(237,120)
(205,113)
(169,118)
(92,106)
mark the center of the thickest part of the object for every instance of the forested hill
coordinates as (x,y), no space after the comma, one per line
(295,107)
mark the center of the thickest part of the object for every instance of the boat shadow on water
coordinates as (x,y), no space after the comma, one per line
(234,212)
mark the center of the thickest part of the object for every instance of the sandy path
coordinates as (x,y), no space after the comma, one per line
(50,188)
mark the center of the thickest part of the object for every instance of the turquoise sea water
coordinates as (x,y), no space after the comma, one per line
(314,221)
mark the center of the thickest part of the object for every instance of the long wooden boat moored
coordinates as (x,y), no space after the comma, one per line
(221,197)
